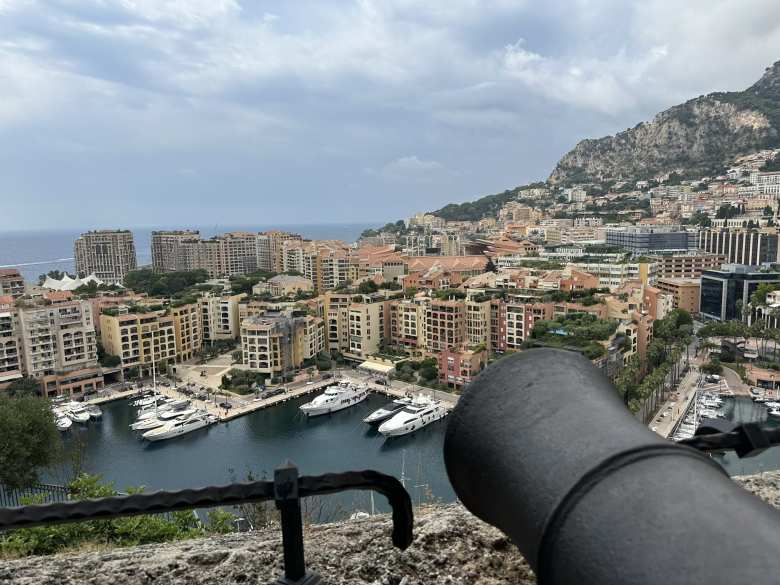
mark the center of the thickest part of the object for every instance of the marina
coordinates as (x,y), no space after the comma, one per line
(259,442)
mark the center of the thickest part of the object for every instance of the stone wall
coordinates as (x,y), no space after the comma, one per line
(450,547)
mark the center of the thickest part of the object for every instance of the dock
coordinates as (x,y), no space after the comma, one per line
(242,405)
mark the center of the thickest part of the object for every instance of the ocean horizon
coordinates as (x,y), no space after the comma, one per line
(36,252)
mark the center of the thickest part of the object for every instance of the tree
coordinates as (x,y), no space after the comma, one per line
(29,441)
(700,218)
(768,210)
(367,287)
(24,387)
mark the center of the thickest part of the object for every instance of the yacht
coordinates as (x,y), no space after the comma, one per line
(147,424)
(153,411)
(413,417)
(176,428)
(149,400)
(382,414)
(336,398)
(77,414)
(63,423)
(94,412)
(774,412)
(171,414)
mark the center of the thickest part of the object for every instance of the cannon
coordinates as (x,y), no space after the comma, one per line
(541,446)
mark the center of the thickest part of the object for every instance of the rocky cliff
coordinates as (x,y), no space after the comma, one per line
(699,136)
(450,547)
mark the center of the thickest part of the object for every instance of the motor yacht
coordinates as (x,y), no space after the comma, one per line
(171,414)
(413,417)
(148,424)
(77,414)
(179,427)
(63,423)
(774,412)
(94,412)
(388,410)
(336,398)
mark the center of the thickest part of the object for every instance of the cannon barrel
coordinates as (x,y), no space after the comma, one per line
(541,446)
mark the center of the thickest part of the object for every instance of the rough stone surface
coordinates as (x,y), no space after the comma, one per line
(450,547)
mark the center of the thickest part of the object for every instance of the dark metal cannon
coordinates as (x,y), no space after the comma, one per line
(542,447)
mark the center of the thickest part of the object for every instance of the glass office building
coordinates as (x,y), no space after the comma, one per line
(725,291)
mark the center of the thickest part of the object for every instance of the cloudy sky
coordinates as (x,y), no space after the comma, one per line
(192,112)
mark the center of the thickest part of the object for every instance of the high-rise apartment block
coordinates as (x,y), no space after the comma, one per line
(108,254)
(174,250)
(277,343)
(11,283)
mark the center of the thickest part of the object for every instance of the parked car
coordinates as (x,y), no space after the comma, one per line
(380,381)
(225,405)
(327,376)
(273,392)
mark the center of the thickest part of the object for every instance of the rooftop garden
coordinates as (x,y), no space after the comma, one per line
(578,331)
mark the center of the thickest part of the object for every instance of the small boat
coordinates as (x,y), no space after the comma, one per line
(336,398)
(176,428)
(63,423)
(388,410)
(772,405)
(147,424)
(77,415)
(94,412)
(774,412)
(413,417)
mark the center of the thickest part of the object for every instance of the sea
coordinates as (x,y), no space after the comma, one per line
(38,252)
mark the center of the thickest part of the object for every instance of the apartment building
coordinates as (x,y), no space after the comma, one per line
(741,246)
(366,322)
(277,343)
(139,338)
(238,252)
(11,283)
(616,275)
(59,347)
(407,325)
(458,367)
(445,325)
(325,263)
(10,350)
(219,316)
(336,313)
(478,322)
(108,254)
(685,292)
(175,250)
(269,251)
(188,330)
(686,265)
(283,285)
(520,318)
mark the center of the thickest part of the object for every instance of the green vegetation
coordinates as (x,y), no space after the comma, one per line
(398,227)
(585,296)
(367,287)
(55,274)
(578,331)
(541,264)
(166,284)
(213,349)
(713,367)
(423,373)
(727,212)
(122,532)
(244,284)
(29,441)
(447,294)
(23,387)
(242,381)
(701,219)
(638,381)
(487,206)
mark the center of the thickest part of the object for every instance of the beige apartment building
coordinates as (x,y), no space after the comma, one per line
(283,285)
(269,250)
(407,325)
(277,344)
(445,325)
(175,250)
(139,339)
(219,316)
(11,283)
(10,350)
(188,330)
(108,254)
(59,346)
(336,313)
(684,292)
(687,265)
(366,328)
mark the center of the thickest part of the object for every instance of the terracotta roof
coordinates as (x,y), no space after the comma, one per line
(9,272)
(448,263)
(6,300)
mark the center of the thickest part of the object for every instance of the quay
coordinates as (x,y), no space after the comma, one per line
(242,405)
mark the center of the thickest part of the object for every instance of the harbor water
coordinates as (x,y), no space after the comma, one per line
(259,442)
(743,409)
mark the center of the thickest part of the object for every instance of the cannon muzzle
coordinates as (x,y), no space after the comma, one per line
(542,447)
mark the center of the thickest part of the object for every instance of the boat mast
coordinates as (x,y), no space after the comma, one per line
(154,371)
(403,468)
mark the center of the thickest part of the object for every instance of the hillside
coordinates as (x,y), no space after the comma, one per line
(486,206)
(698,136)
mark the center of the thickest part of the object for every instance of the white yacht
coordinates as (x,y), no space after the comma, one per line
(63,423)
(77,414)
(171,414)
(94,412)
(147,424)
(388,410)
(413,417)
(336,398)
(178,427)
(774,412)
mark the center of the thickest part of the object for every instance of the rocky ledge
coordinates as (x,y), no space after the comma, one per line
(450,546)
